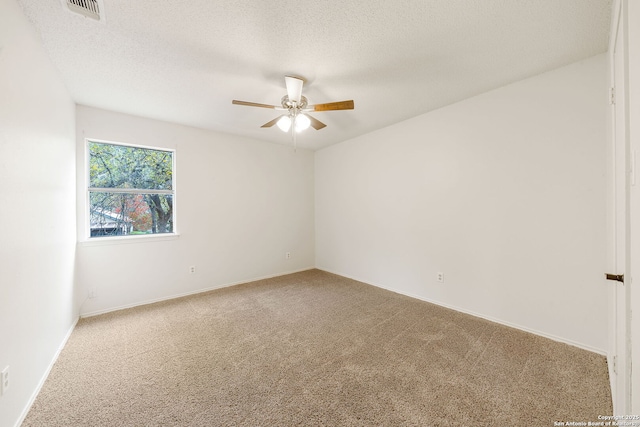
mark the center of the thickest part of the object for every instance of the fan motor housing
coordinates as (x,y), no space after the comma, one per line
(288,104)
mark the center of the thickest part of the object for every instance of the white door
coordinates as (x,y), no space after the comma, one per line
(620,345)
(632,24)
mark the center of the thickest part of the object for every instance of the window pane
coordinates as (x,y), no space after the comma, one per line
(120,166)
(118,214)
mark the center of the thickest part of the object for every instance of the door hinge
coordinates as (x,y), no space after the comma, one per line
(614,361)
(616,277)
(612,96)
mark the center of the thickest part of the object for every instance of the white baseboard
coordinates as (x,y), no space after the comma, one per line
(35,393)
(617,400)
(186,294)
(482,316)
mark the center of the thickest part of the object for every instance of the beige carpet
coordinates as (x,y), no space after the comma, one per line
(314,349)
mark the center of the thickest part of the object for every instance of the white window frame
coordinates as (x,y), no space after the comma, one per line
(87,238)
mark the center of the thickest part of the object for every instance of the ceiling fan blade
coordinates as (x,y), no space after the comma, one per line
(294,88)
(271,123)
(253,104)
(340,105)
(315,123)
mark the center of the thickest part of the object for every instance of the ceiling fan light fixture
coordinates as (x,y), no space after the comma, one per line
(284,123)
(302,122)
(295,106)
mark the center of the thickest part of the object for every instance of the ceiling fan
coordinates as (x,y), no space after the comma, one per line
(296,109)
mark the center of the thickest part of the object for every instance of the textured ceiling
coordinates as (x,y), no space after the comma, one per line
(184,61)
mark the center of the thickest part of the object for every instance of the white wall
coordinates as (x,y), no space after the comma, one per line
(503,192)
(37,211)
(241,204)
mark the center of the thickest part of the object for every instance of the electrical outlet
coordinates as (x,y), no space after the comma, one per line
(440,277)
(287,255)
(4,380)
(192,269)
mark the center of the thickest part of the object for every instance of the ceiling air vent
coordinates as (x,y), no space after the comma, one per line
(88,8)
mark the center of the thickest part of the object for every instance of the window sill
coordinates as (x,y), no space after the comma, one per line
(125,240)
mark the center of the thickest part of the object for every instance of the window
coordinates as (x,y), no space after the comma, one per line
(131,190)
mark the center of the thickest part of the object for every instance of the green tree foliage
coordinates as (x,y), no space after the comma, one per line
(140,169)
